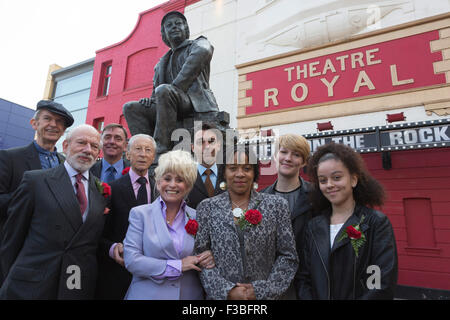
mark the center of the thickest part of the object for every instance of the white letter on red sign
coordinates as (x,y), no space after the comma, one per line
(363,80)
(270,94)
(394,77)
(330,85)
(294,92)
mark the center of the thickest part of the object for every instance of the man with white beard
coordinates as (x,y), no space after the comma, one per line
(55,221)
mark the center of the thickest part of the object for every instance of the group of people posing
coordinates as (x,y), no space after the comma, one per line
(194,229)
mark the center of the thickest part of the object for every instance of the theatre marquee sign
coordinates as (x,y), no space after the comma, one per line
(409,63)
(399,64)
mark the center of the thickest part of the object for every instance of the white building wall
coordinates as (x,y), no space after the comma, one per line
(246,30)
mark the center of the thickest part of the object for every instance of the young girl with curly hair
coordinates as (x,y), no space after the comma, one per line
(349,249)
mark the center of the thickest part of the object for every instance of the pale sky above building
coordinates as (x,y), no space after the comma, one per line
(37,33)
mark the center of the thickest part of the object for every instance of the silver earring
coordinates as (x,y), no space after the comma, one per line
(223,186)
(255,185)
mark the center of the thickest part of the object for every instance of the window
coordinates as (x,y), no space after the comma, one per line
(105,81)
(99,123)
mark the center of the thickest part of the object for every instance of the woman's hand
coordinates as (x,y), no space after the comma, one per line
(206,259)
(118,254)
(189,263)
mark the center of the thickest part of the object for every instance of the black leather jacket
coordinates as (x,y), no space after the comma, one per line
(302,210)
(337,273)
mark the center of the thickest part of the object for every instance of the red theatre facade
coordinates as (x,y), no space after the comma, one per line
(383,71)
(341,86)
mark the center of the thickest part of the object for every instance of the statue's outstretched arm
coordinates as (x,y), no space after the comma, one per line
(201,52)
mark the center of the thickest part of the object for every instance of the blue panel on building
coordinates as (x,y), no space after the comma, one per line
(5,106)
(15,128)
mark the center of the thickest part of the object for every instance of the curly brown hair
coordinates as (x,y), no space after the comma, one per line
(368,191)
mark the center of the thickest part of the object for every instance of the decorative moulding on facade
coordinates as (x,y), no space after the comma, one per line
(308,25)
(243,100)
(442,45)
(375,50)
(439,108)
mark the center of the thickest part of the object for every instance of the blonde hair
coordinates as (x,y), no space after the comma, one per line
(294,142)
(178,162)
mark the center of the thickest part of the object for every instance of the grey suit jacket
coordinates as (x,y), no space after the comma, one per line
(45,235)
(270,260)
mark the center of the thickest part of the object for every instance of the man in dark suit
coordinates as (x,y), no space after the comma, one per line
(134,188)
(206,147)
(180,84)
(114,140)
(50,122)
(55,221)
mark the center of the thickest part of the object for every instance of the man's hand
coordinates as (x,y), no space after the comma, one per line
(146,102)
(249,290)
(118,254)
(237,293)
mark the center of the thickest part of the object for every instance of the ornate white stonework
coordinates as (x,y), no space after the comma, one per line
(247,30)
(322,23)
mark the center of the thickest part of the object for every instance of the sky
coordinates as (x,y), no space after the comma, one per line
(37,33)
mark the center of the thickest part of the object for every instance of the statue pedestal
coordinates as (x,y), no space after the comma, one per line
(220,119)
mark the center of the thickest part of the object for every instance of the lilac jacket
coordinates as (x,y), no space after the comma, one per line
(147,247)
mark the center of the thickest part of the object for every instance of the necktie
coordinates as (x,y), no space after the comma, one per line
(142,192)
(81,193)
(208,183)
(111,176)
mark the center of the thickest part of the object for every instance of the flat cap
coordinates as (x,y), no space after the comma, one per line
(57,108)
(172,13)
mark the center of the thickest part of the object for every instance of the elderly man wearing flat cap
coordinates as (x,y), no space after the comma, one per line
(180,85)
(50,122)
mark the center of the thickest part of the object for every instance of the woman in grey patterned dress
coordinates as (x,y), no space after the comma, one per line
(254,258)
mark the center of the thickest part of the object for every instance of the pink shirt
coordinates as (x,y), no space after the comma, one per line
(136,185)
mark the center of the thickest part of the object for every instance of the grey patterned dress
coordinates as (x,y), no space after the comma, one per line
(270,260)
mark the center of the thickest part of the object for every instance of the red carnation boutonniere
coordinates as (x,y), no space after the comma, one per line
(103,188)
(191,226)
(125,171)
(357,238)
(251,217)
